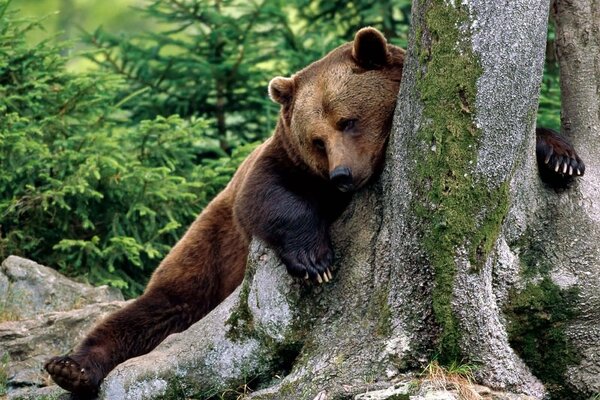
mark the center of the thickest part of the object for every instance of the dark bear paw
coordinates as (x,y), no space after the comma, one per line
(312,262)
(557,160)
(73,376)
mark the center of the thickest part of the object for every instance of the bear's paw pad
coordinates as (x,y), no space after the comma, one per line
(70,375)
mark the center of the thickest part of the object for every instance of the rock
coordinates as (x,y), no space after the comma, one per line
(45,314)
(29,343)
(393,392)
(437,395)
(28,289)
(482,390)
(321,396)
(426,389)
(52,392)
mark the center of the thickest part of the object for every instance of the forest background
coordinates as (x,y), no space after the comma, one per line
(119,121)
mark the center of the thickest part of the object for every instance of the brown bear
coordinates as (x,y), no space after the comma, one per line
(333,126)
(334,123)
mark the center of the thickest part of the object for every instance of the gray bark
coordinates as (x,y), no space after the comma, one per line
(378,318)
(509,41)
(574,249)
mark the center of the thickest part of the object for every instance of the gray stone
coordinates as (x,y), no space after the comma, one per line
(44,314)
(29,343)
(426,389)
(28,289)
(52,392)
(437,395)
(384,394)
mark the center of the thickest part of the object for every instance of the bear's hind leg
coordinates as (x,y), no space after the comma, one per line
(201,270)
(132,331)
(70,375)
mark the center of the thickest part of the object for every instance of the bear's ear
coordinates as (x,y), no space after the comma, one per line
(281,90)
(370,48)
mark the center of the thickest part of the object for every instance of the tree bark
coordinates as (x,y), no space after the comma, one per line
(435,260)
(462,237)
(574,249)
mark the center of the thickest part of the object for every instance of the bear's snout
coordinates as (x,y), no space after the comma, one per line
(341,177)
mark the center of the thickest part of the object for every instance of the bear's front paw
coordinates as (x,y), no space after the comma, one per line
(557,160)
(74,376)
(312,262)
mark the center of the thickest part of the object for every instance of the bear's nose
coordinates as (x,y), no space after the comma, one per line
(342,178)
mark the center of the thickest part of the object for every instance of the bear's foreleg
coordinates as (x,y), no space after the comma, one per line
(301,240)
(293,218)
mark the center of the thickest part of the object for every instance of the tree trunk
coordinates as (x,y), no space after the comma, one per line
(573,248)
(64,22)
(455,253)
(463,180)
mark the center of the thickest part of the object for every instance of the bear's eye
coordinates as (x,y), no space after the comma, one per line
(346,124)
(319,144)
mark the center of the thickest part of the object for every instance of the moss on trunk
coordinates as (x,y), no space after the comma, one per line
(460,211)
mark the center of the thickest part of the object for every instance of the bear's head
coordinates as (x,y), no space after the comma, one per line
(336,113)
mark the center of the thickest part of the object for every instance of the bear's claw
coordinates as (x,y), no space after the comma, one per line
(558,161)
(70,375)
(311,263)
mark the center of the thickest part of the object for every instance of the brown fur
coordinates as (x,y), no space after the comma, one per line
(333,127)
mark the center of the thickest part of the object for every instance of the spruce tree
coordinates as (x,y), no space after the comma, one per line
(83,189)
(212,59)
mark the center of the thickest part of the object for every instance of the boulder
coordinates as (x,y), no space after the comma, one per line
(28,343)
(44,314)
(28,289)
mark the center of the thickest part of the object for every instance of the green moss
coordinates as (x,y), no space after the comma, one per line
(384,313)
(4,374)
(460,213)
(538,316)
(399,397)
(176,390)
(276,358)
(534,260)
(241,320)
(287,389)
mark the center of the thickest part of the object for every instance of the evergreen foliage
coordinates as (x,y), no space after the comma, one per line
(311,28)
(207,62)
(214,58)
(81,188)
(549,103)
